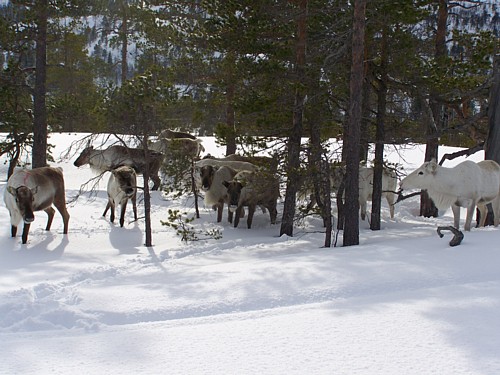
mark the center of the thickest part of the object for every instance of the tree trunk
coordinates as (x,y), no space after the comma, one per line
(321,179)
(351,209)
(427,207)
(147,194)
(124,40)
(365,115)
(292,184)
(378,169)
(39,155)
(230,120)
(492,147)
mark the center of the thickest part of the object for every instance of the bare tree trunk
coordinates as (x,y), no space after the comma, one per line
(378,169)
(292,184)
(365,116)
(124,39)
(427,207)
(351,209)
(492,147)
(321,180)
(39,155)
(230,120)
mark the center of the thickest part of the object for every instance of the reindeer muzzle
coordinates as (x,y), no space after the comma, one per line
(29,219)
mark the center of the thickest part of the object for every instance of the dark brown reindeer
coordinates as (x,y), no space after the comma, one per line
(118,155)
(252,189)
(122,186)
(33,190)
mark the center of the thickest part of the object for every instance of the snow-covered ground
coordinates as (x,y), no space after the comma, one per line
(98,302)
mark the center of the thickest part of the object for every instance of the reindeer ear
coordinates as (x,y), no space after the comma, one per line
(11,190)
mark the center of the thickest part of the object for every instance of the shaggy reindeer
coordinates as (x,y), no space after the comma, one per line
(466,185)
(167,133)
(33,190)
(389,186)
(118,155)
(186,147)
(216,195)
(233,164)
(253,189)
(122,186)
(271,164)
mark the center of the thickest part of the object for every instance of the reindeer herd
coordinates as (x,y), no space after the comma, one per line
(239,182)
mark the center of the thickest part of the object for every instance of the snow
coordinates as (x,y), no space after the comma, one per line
(98,302)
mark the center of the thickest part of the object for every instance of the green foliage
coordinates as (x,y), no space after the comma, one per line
(140,106)
(184,229)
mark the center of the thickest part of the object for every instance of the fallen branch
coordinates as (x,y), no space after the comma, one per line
(457,238)
(402,197)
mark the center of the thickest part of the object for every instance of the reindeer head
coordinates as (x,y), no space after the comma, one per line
(84,157)
(24,197)
(422,177)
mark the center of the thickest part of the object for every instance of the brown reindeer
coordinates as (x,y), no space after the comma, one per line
(118,155)
(122,186)
(252,189)
(33,190)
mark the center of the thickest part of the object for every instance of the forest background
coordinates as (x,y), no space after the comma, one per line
(367,73)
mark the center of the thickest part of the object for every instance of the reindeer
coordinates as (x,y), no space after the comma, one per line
(118,155)
(122,186)
(253,189)
(186,147)
(389,186)
(212,179)
(237,165)
(33,190)
(467,185)
(167,133)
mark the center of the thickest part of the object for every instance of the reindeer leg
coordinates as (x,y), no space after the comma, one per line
(237,216)
(468,219)
(273,212)
(156,182)
(122,212)
(26,229)
(112,208)
(61,207)
(108,206)
(362,205)
(229,215)
(456,216)
(134,206)
(483,212)
(13,230)
(251,211)
(50,212)
(220,207)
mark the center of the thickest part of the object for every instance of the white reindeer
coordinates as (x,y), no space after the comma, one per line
(466,185)
(212,179)
(389,185)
